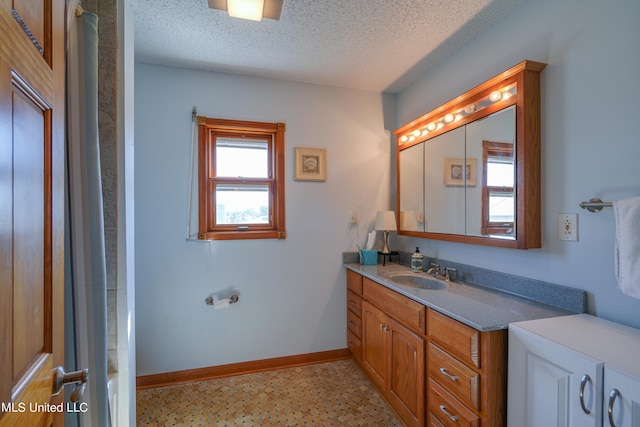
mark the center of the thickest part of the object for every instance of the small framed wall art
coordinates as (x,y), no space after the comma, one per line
(311,164)
(459,174)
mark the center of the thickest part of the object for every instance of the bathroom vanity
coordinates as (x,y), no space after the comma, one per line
(437,351)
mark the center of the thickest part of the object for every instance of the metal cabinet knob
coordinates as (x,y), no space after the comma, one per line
(62,378)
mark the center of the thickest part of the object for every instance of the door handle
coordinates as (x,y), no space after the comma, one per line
(62,378)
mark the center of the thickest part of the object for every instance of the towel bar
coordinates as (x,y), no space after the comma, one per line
(595,205)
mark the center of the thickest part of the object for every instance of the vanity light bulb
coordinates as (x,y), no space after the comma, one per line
(404,138)
(469,108)
(458,117)
(449,118)
(431,126)
(425,132)
(506,95)
(416,133)
(440,125)
(495,96)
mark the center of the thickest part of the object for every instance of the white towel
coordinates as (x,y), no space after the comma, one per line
(627,248)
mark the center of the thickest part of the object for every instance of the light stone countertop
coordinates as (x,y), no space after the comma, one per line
(480,307)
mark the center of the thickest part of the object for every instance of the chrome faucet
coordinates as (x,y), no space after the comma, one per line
(447,273)
(435,271)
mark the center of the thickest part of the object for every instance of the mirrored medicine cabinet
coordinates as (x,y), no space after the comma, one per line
(469,171)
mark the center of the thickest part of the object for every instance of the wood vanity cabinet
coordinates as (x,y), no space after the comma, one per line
(466,374)
(354,314)
(432,369)
(393,352)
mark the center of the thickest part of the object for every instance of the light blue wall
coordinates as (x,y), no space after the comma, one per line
(292,292)
(590,137)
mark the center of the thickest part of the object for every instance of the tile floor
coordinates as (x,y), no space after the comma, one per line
(326,394)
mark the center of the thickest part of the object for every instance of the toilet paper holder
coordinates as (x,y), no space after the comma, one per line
(234,299)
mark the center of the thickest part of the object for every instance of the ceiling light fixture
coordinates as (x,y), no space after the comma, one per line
(249,9)
(246,9)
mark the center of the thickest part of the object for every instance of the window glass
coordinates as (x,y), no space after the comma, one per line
(242,158)
(500,172)
(242,204)
(501,207)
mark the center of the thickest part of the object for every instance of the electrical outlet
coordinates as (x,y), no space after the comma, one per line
(568,227)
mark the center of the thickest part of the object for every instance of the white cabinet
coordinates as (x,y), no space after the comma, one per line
(621,398)
(562,370)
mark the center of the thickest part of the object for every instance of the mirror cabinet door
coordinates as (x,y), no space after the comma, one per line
(490,204)
(444,183)
(411,188)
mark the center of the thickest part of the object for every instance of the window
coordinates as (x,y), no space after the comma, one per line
(241,179)
(498,201)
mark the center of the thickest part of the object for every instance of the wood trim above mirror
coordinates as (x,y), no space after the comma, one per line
(521,84)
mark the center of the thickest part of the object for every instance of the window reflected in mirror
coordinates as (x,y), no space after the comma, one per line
(498,203)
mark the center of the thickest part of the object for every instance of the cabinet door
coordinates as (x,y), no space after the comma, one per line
(622,409)
(406,372)
(545,383)
(374,344)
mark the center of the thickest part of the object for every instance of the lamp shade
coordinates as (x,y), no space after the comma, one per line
(386,221)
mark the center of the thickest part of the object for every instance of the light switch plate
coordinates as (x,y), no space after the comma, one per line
(568,227)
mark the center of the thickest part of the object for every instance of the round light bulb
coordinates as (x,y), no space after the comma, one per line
(495,96)
(506,95)
(416,133)
(440,125)
(404,138)
(449,118)
(425,132)
(431,126)
(469,108)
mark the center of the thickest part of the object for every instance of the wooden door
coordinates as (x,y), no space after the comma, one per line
(406,373)
(374,344)
(31,209)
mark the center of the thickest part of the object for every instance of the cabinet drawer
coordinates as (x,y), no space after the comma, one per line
(456,378)
(354,344)
(447,410)
(354,302)
(461,341)
(354,282)
(403,309)
(354,323)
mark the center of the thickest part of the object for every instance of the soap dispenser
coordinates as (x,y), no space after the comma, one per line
(416,261)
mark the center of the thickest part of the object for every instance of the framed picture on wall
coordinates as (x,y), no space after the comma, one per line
(311,164)
(458,173)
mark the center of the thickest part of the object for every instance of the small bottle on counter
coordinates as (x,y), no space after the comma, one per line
(416,261)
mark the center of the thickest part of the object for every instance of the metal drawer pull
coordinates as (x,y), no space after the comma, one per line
(583,383)
(444,409)
(448,375)
(612,398)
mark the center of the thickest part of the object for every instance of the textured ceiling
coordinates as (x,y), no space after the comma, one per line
(374,45)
